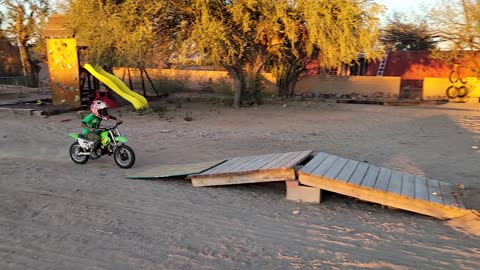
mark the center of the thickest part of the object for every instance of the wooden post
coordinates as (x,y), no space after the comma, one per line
(123,75)
(151,83)
(130,79)
(143,82)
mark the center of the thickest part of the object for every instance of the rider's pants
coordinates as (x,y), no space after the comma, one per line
(94,138)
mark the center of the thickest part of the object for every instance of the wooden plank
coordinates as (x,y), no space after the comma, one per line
(435,193)
(281,162)
(347,170)
(370,176)
(314,163)
(395,184)
(164,171)
(301,156)
(222,167)
(336,168)
(264,161)
(421,188)
(232,165)
(383,179)
(322,168)
(255,163)
(381,197)
(238,164)
(408,187)
(448,194)
(455,193)
(244,178)
(274,161)
(359,173)
(381,185)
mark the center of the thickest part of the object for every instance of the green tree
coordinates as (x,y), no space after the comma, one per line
(241,35)
(400,34)
(224,33)
(244,35)
(22,24)
(116,32)
(334,32)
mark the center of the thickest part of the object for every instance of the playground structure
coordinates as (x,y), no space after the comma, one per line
(117,85)
(74,82)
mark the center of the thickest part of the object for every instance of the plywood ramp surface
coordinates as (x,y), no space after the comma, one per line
(252,169)
(164,171)
(381,185)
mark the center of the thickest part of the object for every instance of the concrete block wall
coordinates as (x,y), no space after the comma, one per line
(365,85)
(435,88)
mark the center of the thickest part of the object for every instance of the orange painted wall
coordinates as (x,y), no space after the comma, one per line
(415,65)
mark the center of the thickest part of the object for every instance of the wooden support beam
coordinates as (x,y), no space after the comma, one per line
(386,198)
(381,185)
(274,175)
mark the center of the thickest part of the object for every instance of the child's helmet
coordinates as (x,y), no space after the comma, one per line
(99,109)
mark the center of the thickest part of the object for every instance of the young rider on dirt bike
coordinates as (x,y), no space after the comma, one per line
(91,123)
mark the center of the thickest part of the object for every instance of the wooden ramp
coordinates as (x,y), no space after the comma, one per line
(381,185)
(164,171)
(252,169)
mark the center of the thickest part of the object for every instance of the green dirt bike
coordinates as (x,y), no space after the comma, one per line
(111,143)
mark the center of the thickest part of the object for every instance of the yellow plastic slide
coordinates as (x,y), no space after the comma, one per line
(138,101)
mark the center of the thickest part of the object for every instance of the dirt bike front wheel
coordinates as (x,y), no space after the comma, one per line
(75,150)
(124,156)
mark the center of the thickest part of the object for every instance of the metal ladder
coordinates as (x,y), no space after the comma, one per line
(382,66)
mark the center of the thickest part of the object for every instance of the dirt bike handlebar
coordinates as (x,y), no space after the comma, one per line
(110,128)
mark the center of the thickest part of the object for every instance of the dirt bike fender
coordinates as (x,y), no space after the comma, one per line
(74,135)
(121,139)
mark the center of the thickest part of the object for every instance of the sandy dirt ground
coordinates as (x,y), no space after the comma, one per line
(55,214)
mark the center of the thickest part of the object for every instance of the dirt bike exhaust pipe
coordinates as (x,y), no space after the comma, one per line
(83,154)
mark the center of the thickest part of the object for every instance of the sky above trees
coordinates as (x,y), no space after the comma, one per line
(418,7)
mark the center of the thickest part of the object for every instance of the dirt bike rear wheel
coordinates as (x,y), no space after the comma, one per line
(75,149)
(124,156)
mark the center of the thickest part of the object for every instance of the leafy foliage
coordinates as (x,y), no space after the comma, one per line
(334,32)
(400,34)
(456,24)
(244,36)
(22,24)
(116,32)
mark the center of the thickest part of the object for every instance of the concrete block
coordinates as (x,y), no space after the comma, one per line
(303,193)
(292,183)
